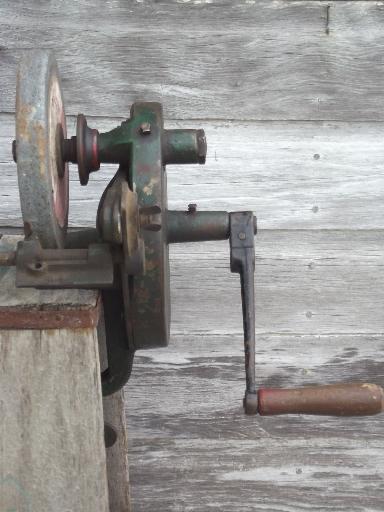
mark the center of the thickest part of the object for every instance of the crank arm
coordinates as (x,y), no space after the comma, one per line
(242,247)
(240,228)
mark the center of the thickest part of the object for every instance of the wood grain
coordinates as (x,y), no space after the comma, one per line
(206,59)
(191,447)
(117,455)
(52,444)
(305,282)
(293,175)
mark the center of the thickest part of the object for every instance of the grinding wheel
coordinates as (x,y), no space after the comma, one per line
(40,128)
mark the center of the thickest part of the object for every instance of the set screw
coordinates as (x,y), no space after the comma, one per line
(145,128)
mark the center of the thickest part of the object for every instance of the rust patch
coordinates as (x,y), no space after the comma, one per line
(24,112)
(41,147)
(148,189)
(61,318)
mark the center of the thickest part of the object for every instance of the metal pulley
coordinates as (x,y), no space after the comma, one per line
(126,255)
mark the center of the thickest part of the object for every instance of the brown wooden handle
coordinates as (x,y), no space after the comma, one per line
(357,399)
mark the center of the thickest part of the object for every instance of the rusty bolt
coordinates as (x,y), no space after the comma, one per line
(192,208)
(145,128)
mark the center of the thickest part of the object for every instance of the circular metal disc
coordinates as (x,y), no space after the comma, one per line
(40,127)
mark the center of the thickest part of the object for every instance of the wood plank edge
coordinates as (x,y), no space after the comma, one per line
(62,317)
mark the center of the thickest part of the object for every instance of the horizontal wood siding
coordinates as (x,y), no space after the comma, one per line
(207,59)
(193,448)
(315,175)
(305,282)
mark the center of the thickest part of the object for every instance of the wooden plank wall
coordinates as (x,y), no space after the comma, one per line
(291,96)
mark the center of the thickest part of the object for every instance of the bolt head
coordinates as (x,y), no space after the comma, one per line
(241,235)
(145,128)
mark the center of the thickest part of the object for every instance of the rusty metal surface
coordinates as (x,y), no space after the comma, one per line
(120,352)
(149,293)
(59,317)
(82,149)
(356,399)
(242,248)
(90,268)
(184,146)
(86,149)
(194,226)
(40,127)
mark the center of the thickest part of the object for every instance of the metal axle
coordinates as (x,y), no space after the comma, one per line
(89,148)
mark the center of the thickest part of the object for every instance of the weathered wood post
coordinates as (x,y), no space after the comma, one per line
(52,453)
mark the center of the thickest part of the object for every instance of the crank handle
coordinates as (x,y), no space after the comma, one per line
(357,399)
(240,228)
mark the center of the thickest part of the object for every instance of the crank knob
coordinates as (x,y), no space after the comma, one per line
(356,399)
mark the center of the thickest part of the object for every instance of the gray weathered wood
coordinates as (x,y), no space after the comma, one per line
(305,282)
(20,305)
(236,60)
(293,175)
(191,447)
(52,454)
(117,455)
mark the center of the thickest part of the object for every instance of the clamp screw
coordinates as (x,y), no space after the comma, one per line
(145,128)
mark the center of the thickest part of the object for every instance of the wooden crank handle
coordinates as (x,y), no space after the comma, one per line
(355,399)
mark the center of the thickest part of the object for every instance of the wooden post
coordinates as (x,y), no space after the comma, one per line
(117,455)
(52,453)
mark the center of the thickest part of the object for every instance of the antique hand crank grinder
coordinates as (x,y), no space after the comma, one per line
(126,256)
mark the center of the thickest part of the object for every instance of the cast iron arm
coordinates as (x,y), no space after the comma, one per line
(242,247)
